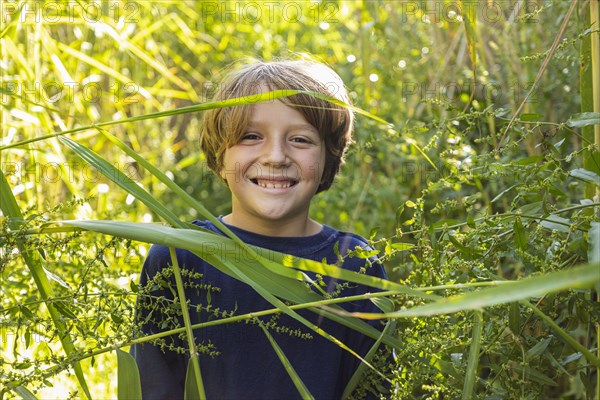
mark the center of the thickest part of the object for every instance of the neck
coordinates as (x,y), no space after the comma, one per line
(300,227)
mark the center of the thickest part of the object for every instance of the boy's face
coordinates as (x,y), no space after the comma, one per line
(275,170)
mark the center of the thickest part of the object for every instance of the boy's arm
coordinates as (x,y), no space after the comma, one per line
(162,370)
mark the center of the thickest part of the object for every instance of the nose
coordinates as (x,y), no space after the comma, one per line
(274,152)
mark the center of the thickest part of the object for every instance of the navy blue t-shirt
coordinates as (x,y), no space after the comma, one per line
(236,359)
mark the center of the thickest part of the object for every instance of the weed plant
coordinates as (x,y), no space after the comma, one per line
(475,175)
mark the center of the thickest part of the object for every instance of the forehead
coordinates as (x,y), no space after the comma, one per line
(276,114)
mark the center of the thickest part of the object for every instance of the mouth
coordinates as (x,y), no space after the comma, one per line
(274,183)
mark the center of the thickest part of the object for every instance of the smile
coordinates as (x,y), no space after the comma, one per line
(274,184)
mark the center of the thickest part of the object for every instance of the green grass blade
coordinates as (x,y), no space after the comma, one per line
(263,281)
(149,60)
(194,240)
(362,369)
(157,173)
(251,99)
(13,22)
(282,286)
(194,360)
(302,389)
(118,177)
(4,92)
(10,208)
(84,58)
(469,14)
(286,309)
(594,242)
(563,334)
(8,204)
(350,276)
(578,277)
(24,393)
(471,375)
(192,384)
(128,383)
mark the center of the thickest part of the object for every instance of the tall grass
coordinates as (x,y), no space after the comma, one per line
(471,186)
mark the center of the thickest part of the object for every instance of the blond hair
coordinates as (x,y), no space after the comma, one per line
(222,128)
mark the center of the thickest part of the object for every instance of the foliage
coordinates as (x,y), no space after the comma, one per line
(469,186)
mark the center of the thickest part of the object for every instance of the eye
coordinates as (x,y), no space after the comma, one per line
(250,136)
(301,139)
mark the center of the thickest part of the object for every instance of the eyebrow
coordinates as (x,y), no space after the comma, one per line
(258,124)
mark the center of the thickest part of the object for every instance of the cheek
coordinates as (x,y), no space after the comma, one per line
(223,167)
(227,164)
(237,163)
(316,165)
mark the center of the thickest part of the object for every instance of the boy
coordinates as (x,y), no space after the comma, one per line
(274,157)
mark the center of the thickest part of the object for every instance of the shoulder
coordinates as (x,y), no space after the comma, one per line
(347,241)
(159,256)
(354,240)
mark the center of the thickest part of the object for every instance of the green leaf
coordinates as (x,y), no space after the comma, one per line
(538,348)
(133,286)
(26,312)
(358,375)
(520,239)
(556,223)
(57,279)
(533,375)
(191,385)
(594,242)
(64,310)
(499,196)
(468,252)
(471,374)
(122,180)
(24,393)
(195,361)
(300,386)
(571,358)
(402,246)
(469,14)
(270,280)
(585,175)
(573,278)
(514,318)
(116,318)
(445,367)
(583,119)
(383,303)
(532,208)
(129,386)
(23,365)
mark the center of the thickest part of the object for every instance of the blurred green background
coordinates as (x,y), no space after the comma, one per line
(447,155)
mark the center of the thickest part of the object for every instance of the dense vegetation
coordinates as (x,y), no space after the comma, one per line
(475,174)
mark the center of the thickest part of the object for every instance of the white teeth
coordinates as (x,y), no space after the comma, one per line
(274,184)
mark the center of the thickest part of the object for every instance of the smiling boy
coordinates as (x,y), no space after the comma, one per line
(274,171)
(274,157)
